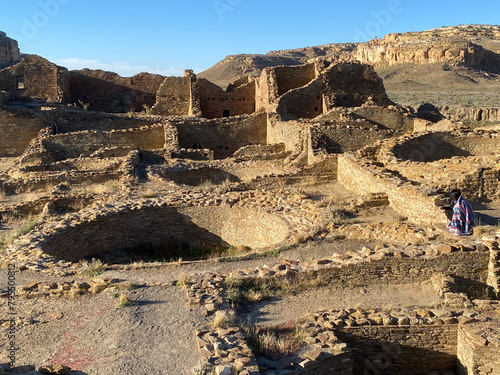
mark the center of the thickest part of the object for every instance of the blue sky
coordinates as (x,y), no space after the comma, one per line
(167,37)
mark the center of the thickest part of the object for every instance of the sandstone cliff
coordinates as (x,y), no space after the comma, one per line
(475,46)
(9,51)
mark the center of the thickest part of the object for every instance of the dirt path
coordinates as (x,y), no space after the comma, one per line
(92,335)
(280,310)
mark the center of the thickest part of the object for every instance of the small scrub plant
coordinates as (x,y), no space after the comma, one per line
(124,301)
(97,288)
(149,194)
(273,341)
(301,238)
(223,319)
(85,106)
(127,285)
(335,214)
(183,280)
(147,109)
(95,268)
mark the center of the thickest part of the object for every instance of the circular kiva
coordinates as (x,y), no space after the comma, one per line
(162,229)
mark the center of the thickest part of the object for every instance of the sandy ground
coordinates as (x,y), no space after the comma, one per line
(94,335)
(280,310)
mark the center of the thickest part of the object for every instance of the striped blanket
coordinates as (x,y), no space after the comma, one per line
(462,221)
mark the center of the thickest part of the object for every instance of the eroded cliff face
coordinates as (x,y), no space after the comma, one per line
(9,51)
(469,45)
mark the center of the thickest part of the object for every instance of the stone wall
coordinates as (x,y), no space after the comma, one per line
(73,145)
(292,77)
(223,136)
(435,146)
(398,350)
(391,118)
(109,92)
(17,129)
(276,81)
(293,134)
(216,102)
(167,228)
(406,199)
(352,85)
(342,138)
(174,97)
(304,102)
(73,120)
(36,78)
(478,349)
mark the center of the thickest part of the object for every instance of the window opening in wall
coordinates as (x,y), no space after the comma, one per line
(225,113)
(316,109)
(345,98)
(20,83)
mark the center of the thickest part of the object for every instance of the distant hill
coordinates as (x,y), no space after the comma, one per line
(458,65)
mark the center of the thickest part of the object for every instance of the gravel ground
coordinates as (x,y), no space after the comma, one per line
(93,335)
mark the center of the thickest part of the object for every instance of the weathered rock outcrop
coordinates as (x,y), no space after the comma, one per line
(9,51)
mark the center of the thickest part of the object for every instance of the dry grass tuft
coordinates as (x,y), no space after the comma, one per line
(273,341)
(223,319)
(183,280)
(94,268)
(124,301)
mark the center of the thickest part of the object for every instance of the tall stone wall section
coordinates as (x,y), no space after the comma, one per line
(173,97)
(223,136)
(364,177)
(109,92)
(295,135)
(40,80)
(276,81)
(304,102)
(216,103)
(17,129)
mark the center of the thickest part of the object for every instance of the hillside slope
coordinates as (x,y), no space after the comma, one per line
(457,65)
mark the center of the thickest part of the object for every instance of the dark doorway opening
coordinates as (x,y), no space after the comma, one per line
(225,113)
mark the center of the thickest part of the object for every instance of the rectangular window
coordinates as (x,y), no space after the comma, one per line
(20,83)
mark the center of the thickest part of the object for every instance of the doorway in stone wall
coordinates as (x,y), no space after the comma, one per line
(225,113)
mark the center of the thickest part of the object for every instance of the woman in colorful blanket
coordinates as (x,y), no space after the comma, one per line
(460,215)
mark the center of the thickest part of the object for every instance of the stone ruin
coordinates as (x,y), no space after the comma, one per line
(330,121)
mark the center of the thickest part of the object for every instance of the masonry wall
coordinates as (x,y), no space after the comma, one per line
(408,200)
(73,145)
(17,129)
(304,102)
(216,102)
(174,97)
(276,81)
(385,117)
(340,139)
(223,136)
(292,77)
(401,349)
(293,134)
(352,85)
(477,352)
(41,80)
(167,228)
(436,146)
(109,92)
(67,121)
